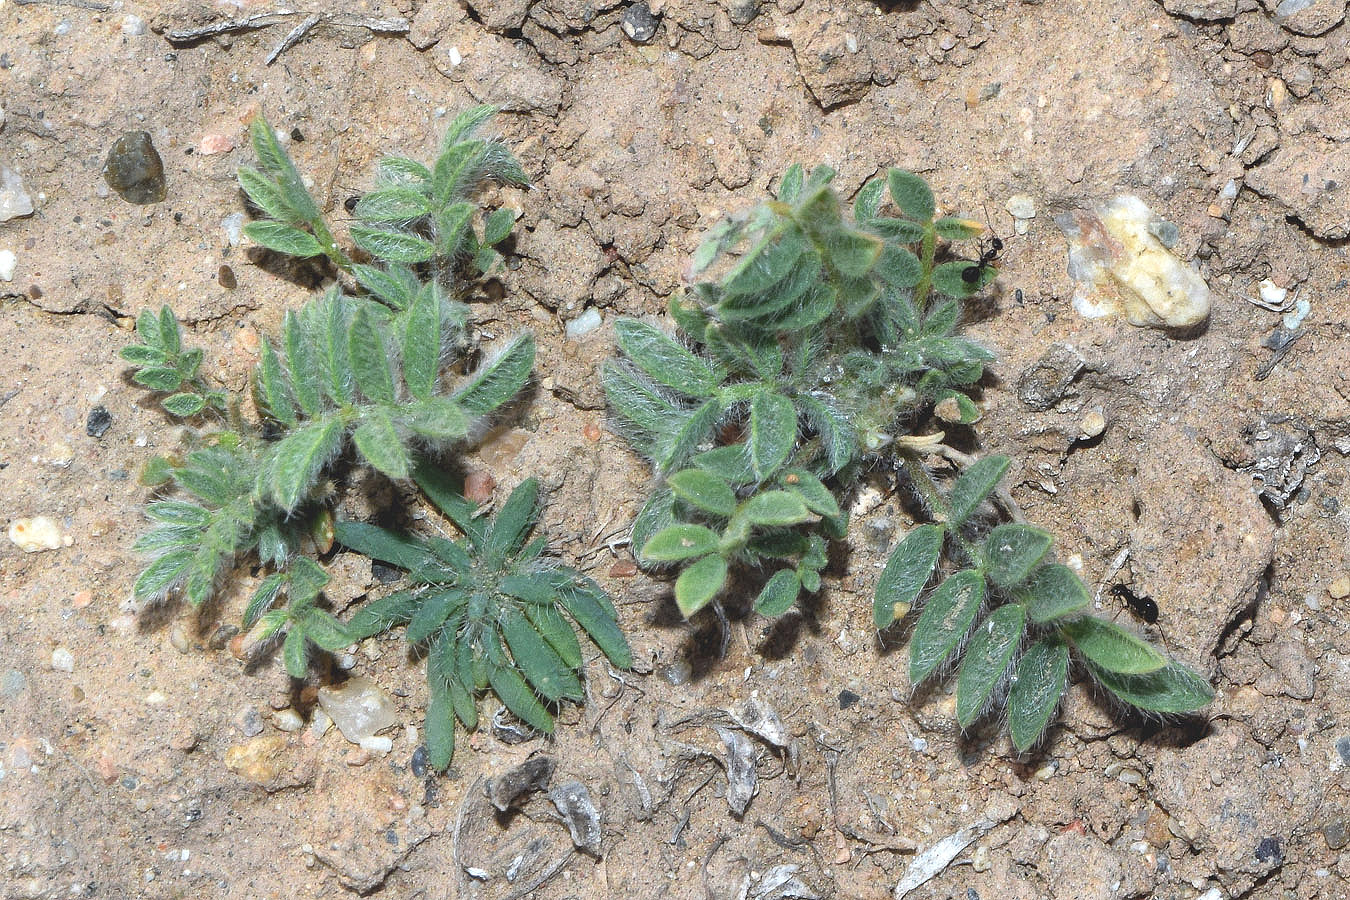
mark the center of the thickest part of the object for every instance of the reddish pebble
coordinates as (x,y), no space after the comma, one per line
(478,486)
(591,431)
(107,769)
(213,144)
(624,568)
(82,599)
(237,646)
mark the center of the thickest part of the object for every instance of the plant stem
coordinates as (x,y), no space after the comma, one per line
(932,495)
(928,253)
(330,245)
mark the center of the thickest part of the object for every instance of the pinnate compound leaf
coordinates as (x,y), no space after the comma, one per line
(299,457)
(704,491)
(911,194)
(1012,551)
(1112,648)
(520,699)
(677,542)
(540,663)
(1053,592)
(986,660)
(1039,680)
(779,593)
(774,508)
(499,379)
(975,484)
(1171,690)
(393,246)
(906,573)
(664,360)
(945,620)
(377,440)
(772,432)
(283,239)
(699,583)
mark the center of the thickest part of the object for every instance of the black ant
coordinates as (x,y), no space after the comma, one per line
(971,274)
(1143,608)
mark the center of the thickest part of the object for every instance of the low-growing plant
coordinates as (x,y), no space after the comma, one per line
(820,348)
(486,611)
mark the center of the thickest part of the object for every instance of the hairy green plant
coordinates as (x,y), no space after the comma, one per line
(486,611)
(818,346)
(1012,617)
(361,371)
(822,344)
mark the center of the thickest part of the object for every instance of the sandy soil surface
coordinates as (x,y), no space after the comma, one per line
(139,758)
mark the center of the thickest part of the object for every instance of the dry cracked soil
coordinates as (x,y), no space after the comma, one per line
(139,758)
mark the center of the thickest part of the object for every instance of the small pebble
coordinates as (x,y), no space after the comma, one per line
(1271,293)
(1263,59)
(358,757)
(360,708)
(418,763)
(676,673)
(221,637)
(63,660)
(14,200)
(12,684)
(584,324)
(215,144)
(225,278)
(133,26)
(179,640)
(624,568)
(8,263)
(639,23)
(1092,424)
(37,533)
(233,226)
(478,486)
(134,169)
(1340,588)
(591,432)
(1343,750)
(97,423)
(288,720)
(1021,206)
(377,744)
(1166,233)
(249,721)
(848,698)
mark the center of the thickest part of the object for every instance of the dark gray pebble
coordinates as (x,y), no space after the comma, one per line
(134,169)
(97,423)
(847,698)
(418,763)
(639,23)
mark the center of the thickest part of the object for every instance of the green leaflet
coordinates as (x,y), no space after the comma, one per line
(664,360)
(1012,551)
(283,239)
(779,593)
(1171,690)
(772,432)
(986,661)
(678,542)
(1053,592)
(299,458)
(704,491)
(499,379)
(1039,680)
(975,484)
(1111,648)
(699,583)
(906,573)
(945,620)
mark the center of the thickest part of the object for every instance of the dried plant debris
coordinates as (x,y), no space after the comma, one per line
(742,780)
(530,776)
(1283,450)
(573,802)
